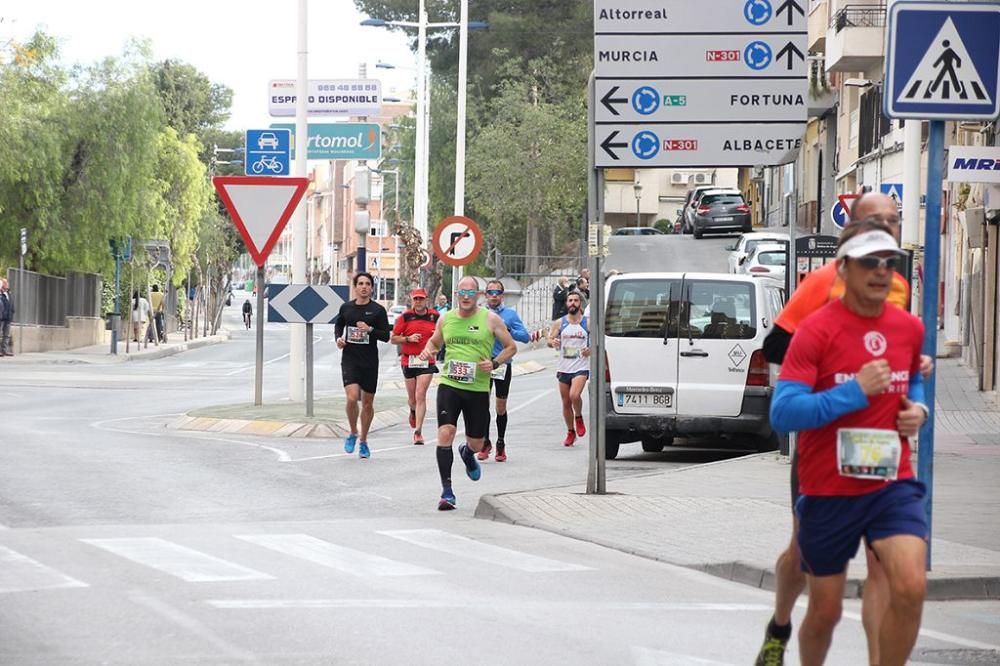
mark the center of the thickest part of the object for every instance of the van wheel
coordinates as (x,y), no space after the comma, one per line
(656,444)
(611,445)
(697,233)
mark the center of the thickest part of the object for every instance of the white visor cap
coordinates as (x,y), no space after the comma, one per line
(867,243)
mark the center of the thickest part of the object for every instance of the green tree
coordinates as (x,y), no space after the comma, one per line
(191,102)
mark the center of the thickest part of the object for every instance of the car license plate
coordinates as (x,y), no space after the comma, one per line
(646,400)
(724,218)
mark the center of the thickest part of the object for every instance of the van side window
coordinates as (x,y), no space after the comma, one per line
(716,310)
(638,308)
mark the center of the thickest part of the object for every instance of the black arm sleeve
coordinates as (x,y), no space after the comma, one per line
(382,329)
(776,345)
(338,328)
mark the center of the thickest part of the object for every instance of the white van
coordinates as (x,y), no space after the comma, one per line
(684,357)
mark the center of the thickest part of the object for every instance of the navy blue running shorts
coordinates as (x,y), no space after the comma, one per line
(831,528)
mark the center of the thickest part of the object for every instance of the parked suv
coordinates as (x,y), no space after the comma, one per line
(690,202)
(684,357)
(721,210)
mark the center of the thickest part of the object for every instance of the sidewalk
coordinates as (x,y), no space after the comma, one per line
(101,354)
(732,518)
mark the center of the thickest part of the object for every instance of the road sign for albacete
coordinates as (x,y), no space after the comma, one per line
(679,85)
(260,207)
(457,240)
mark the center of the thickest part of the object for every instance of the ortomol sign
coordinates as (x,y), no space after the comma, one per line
(340,141)
(974,164)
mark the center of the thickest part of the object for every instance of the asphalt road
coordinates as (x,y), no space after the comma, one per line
(124,542)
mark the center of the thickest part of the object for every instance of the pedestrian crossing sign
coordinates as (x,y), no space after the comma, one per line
(942,61)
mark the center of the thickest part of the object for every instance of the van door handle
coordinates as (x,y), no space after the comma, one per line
(696,352)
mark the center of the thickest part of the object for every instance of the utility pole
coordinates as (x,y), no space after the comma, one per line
(296,332)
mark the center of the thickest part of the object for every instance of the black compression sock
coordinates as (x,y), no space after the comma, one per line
(445,458)
(501,426)
(781,632)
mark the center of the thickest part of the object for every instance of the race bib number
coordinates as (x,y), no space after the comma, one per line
(356,336)
(500,372)
(867,453)
(570,352)
(416,362)
(462,371)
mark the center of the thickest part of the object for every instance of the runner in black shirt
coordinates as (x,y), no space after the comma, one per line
(360,325)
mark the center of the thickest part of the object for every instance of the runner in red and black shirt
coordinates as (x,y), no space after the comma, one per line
(412,331)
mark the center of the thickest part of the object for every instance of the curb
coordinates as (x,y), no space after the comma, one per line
(981,588)
(330,430)
(67,357)
(163,352)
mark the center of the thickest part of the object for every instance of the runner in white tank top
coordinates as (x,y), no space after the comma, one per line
(571,336)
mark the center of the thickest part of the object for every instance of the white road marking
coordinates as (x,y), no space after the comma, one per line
(20,573)
(611,607)
(185,563)
(651,657)
(253,366)
(192,625)
(351,455)
(324,553)
(940,636)
(453,544)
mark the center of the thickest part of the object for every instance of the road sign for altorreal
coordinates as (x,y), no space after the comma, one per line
(678,85)
(260,207)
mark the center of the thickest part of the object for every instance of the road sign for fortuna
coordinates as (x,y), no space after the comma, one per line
(260,207)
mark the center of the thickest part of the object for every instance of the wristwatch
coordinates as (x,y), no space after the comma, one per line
(495,364)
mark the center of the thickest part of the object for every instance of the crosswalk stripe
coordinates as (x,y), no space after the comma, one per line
(20,573)
(185,563)
(485,553)
(324,553)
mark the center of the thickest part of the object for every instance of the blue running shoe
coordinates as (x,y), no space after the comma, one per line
(363,451)
(447,501)
(472,467)
(349,443)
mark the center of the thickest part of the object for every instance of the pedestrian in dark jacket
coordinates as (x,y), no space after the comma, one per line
(559,298)
(6,316)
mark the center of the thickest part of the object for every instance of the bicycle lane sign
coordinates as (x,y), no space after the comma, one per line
(268,152)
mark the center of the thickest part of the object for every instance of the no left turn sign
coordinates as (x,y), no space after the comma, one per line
(457,240)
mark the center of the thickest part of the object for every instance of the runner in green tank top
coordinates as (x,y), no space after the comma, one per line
(468,333)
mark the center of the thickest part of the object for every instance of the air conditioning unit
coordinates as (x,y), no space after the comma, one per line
(701,178)
(678,178)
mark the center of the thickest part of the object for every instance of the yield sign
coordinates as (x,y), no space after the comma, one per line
(261,207)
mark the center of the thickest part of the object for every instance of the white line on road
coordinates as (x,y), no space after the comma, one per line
(20,573)
(185,563)
(454,544)
(280,604)
(940,636)
(324,553)
(189,623)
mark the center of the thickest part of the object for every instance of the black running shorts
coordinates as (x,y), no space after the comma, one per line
(363,376)
(412,373)
(474,406)
(502,386)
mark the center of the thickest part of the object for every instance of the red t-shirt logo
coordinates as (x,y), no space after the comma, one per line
(875,343)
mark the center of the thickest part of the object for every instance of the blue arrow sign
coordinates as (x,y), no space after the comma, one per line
(268,152)
(305,304)
(943,61)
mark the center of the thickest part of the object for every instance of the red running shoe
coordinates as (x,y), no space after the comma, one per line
(581,429)
(413,418)
(485,453)
(418,438)
(570,438)
(501,455)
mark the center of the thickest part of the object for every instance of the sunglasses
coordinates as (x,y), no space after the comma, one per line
(870,263)
(467,293)
(494,292)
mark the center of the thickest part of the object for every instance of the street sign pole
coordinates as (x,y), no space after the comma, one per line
(22,287)
(932,251)
(596,483)
(309,369)
(258,378)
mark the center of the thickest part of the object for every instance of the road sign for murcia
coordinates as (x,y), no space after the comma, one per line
(943,61)
(679,86)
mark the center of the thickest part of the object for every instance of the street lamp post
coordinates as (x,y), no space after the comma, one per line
(638,197)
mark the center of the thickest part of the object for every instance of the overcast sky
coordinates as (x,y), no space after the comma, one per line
(240,43)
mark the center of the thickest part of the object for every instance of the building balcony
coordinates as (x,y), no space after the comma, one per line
(854,38)
(819,19)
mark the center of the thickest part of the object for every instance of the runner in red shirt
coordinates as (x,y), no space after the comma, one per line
(412,330)
(846,387)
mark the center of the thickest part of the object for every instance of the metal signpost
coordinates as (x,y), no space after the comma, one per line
(268,152)
(306,304)
(340,141)
(338,97)
(260,207)
(679,84)
(23,283)
(942,62)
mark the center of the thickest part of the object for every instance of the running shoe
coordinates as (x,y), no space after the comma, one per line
(485,453)
(447,501)
(418,438)
(570,438)
(772,653)
(413,418)
(581,429)
(363,451)
(501,452)
(472,467)
(349,443)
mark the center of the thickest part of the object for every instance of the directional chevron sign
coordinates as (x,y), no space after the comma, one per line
(679,86)
(304,303)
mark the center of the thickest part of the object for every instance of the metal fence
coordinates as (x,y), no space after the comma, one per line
(47,300)
(859,16)
(529,282)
